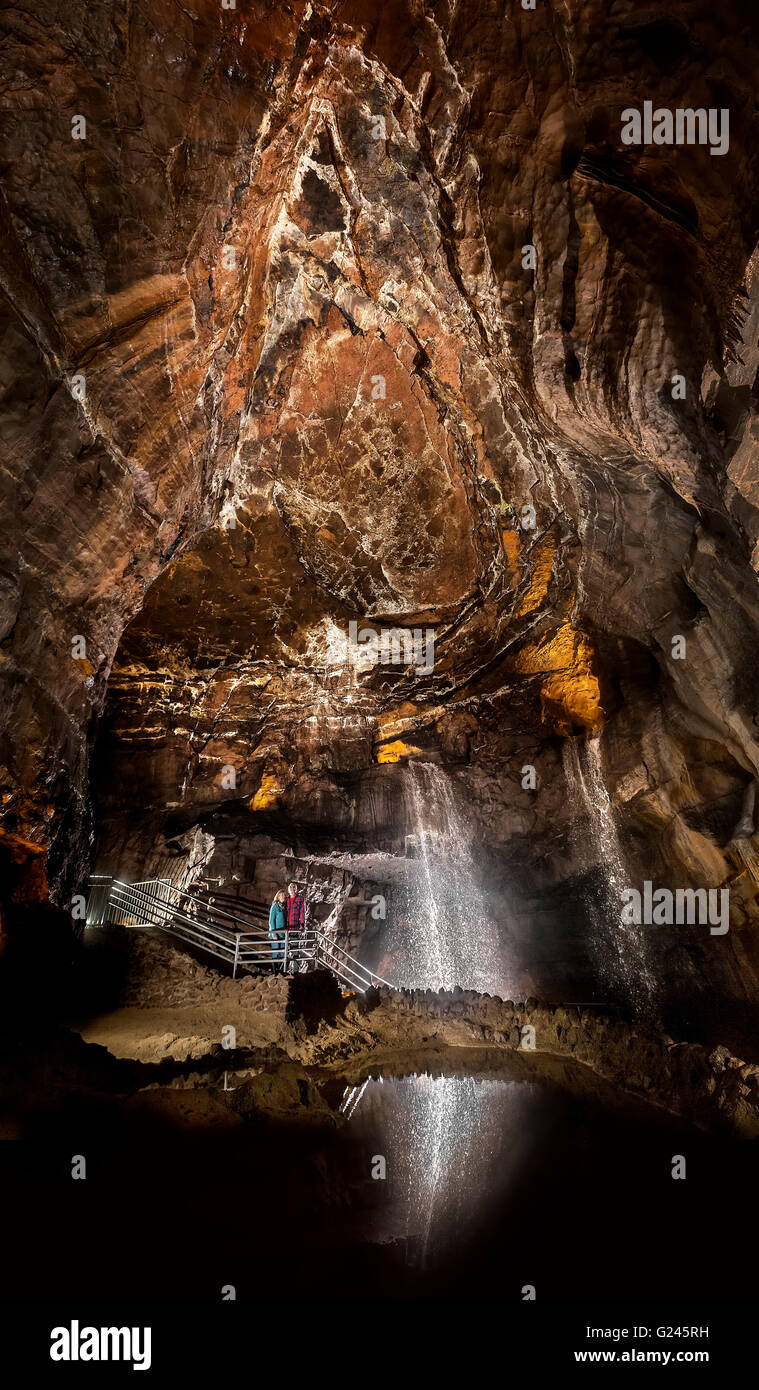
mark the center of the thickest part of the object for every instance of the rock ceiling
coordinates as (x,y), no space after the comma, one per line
(355,312)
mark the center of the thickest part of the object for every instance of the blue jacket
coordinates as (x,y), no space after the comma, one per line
(277,916)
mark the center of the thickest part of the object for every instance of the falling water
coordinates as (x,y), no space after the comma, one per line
(448,937)
(622,949)
(443,1129)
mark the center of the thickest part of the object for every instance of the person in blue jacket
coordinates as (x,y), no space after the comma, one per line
(278,925)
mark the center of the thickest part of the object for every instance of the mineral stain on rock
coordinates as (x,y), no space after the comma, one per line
(353,314)
(319,208)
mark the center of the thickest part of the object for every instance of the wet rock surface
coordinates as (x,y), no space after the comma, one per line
(172,1029)
(321,386)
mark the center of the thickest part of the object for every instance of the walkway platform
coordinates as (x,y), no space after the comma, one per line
(237,938)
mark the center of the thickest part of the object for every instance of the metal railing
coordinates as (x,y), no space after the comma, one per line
(245,945)
(217,901)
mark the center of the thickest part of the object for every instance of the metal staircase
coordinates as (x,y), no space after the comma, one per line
(235,937)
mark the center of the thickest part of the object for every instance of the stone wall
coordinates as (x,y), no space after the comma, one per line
(324,384)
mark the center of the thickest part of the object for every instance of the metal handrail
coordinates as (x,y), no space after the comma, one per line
(208,936)
(211,910)
(127,892)
(247,948)
(194,930)
(180,896)
(349,961)
(226,901)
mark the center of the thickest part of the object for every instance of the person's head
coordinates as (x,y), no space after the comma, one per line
(280,896)
(292,889)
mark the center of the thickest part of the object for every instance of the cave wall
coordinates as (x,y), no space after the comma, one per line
(321,385)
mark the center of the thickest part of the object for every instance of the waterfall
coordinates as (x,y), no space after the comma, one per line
(622,950)
(448,937)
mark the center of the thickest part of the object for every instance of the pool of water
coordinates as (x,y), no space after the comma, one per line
(493,1185)
(488,1182)
(452,1148)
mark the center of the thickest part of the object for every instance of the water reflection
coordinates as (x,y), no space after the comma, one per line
(452,1146)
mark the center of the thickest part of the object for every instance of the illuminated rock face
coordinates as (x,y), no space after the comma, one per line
(384,289)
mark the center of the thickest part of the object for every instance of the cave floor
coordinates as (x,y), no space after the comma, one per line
(362,1151)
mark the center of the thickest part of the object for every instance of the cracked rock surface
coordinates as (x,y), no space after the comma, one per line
(275,360)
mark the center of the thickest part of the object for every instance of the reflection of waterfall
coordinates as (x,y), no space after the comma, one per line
(447,937)
(622,949)
(452,1145)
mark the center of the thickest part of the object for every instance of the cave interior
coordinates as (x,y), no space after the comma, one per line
(381,486)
